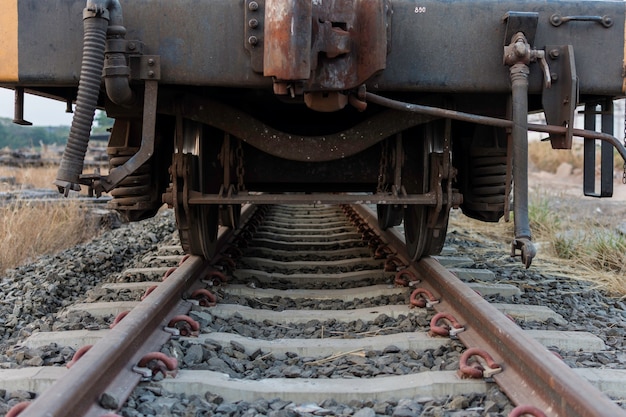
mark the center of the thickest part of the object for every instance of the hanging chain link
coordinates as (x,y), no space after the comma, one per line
(624,172)
(240,170)
(384,163)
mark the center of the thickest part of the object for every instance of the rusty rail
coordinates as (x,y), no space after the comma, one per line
(108,366)
(531,374)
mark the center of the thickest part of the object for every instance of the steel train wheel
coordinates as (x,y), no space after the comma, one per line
(389,215)
(230,215)
(197,224)
(423,238)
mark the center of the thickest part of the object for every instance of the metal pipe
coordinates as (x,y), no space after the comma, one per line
(97,16)
(519,133)
(491,121)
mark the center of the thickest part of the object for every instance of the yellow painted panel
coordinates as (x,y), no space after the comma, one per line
(8,41)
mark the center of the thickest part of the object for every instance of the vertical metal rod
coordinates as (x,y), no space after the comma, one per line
(589,156)
(18,113)
(606,153)
(519,132)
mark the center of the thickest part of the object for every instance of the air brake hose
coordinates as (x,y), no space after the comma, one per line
(96,17)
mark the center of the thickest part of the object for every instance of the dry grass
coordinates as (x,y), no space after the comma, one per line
(544,158)
(30,230)
(39,177)
(43,228)
(568,245)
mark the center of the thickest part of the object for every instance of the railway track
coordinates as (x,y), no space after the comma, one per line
(307,315)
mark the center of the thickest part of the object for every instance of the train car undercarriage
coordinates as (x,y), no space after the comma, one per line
(415,108)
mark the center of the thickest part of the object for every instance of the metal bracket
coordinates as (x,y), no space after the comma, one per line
(557,20)
(254,11)
(18,117)
(559,101)
(525,22)
(145,67)
(147,141)
(606,151)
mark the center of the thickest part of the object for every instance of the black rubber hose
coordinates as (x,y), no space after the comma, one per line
(88,91)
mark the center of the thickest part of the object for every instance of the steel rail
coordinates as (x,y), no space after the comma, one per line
(98,371)
(531,374)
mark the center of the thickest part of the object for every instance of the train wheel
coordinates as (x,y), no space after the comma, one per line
(423,235)
(230,215)
(389,215)
(197,224)
(415,230)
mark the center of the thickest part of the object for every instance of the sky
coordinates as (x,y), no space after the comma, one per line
(38,110)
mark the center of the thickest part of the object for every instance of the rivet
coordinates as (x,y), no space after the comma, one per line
(253,40)
(554,53)
(253,5)
(253,23)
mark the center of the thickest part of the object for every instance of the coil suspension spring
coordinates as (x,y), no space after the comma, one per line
(488,173)
(135,190)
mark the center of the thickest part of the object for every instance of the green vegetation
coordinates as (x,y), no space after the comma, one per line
(14,136)
(596,252)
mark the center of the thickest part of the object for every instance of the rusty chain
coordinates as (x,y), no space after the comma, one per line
(240,169)
(384,163)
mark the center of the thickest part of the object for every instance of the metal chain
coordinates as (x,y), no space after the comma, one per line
(624,172)
(384,163)
(240,170)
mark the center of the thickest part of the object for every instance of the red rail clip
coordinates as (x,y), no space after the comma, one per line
(215,278)
(17,409)
(476,370)
(79,354)
(435,329)
(393,263)
(148,292)
(204,297)
(158,362)
(169,272)
(185,325)
(520,410)
(400,280)
(119,318)
(422,302)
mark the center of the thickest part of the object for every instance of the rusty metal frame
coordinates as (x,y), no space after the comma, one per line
(293,147)
(146,149)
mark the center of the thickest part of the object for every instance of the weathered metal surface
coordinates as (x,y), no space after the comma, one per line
(313,148)
(560,100)
(287,42)
(435,46)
